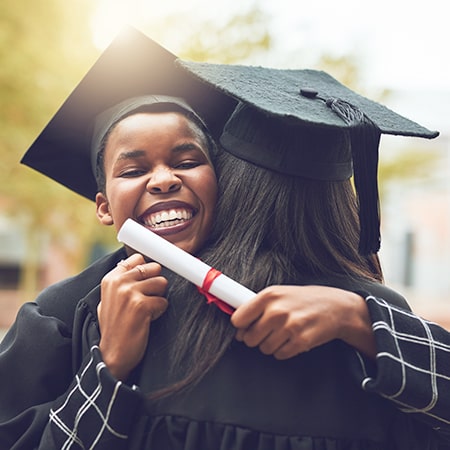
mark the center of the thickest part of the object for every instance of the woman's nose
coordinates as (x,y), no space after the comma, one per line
(163,180)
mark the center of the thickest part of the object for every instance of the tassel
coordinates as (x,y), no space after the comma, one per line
(365,139)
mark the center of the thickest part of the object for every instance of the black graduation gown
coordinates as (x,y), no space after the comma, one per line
(57,393)
(413,364)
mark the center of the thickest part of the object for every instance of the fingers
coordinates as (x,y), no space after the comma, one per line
(249,312)
(136,266)
(140,268)
(279,341)
(131,261)
(282,322)
(135,269)
(273,335)
(157,306)
(256,319)
(138,284)
(266,327)
(124,264)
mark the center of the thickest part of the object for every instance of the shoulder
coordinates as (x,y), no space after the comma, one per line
(60,299)
(384,292)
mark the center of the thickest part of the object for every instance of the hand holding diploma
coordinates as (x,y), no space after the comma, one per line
(184,264)
(132,295)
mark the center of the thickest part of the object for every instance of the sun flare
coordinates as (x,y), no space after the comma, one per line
(112,15)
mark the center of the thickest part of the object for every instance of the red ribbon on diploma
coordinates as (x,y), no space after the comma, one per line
(207,282)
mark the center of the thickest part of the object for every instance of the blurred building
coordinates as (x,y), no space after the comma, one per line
(12,257)
(416,212)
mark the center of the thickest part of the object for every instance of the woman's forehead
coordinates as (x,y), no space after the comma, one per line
(136,135)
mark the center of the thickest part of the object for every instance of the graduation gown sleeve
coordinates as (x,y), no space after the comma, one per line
(55,391)
(412,364)
(42,406)
(29,354)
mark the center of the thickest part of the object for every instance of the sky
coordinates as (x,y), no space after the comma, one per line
(398,43)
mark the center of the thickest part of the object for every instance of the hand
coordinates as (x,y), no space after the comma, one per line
(284,321)
(132,295)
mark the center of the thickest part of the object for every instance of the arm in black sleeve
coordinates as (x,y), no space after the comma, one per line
(43,406)
(412,364)
(35,368)
(96,412)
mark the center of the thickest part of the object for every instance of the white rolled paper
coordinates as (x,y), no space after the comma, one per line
(183,263)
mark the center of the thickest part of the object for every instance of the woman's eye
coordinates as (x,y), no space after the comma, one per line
(130,173)
(187,165)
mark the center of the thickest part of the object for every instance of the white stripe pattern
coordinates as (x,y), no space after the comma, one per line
(413,349)
(88,405)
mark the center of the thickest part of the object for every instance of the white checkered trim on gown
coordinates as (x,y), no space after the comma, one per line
(90,394)
(416,356)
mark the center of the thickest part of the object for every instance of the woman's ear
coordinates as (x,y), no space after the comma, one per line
(103,213)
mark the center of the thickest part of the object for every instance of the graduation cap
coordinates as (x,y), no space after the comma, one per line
(133,65)
(306,123)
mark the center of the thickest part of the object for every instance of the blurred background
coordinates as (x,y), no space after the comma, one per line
(393,52)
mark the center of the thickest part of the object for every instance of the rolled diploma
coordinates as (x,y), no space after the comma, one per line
(183,263)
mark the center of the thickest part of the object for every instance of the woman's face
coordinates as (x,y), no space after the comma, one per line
(158,173)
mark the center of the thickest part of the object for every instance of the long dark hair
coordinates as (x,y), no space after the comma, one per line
(269,229)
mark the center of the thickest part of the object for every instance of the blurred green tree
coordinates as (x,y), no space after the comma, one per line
(44,48)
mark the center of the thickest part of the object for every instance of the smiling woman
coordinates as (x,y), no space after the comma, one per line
(158,171)
(100,360)
(129,122)
(156,164)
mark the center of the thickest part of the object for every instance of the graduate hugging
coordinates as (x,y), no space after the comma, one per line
(248,169)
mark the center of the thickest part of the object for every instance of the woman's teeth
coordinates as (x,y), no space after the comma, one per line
(169,218)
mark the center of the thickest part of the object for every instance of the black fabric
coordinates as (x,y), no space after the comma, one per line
(36,357)
(307,124)
(285,147)
(248,401)
(279,93)
(132,65)
(413,363)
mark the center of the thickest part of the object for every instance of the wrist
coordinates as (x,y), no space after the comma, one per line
(114,365)
(357,326)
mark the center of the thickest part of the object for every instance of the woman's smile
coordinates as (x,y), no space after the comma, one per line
(168,217)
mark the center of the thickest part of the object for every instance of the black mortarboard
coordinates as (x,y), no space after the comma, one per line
(305,123)
(133,65)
